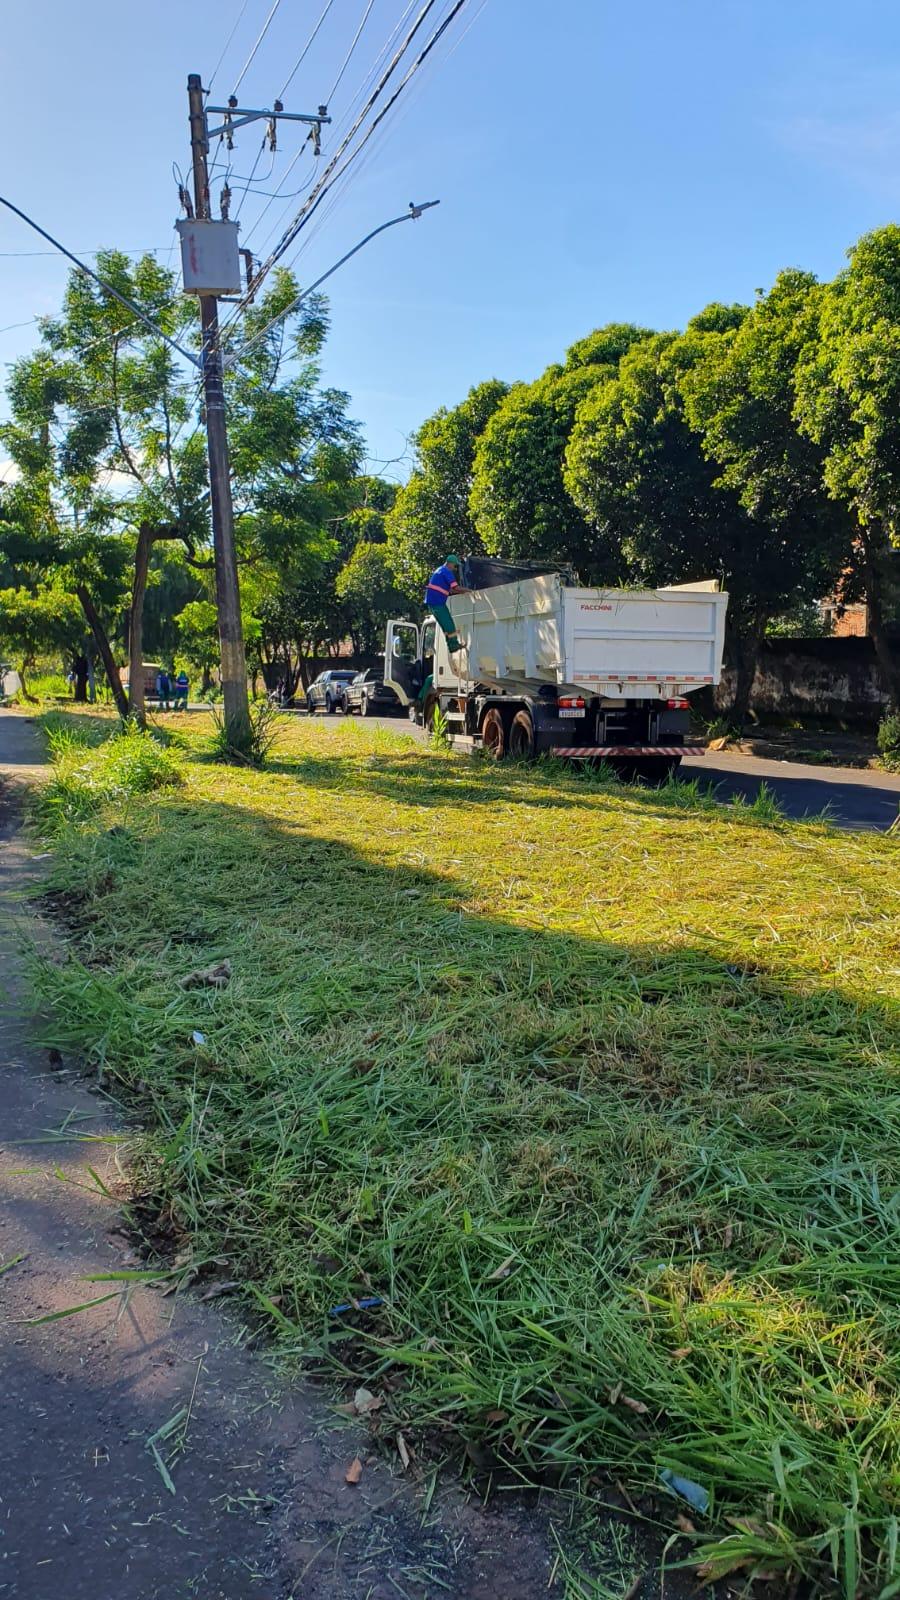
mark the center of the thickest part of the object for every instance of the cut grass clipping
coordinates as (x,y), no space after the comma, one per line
(589,1093)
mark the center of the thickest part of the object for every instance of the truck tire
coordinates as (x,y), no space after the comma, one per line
(521,737)
(329,706)
(493,735)
(364,705)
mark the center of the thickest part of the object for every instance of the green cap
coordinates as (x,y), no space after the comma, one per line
(452,561)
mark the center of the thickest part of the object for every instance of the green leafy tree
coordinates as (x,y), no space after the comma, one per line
(198,638)
(98,415)
(848,404)
(431,513)
(34,622)
(738,389)
(368,588)
(639,474)
(519,502)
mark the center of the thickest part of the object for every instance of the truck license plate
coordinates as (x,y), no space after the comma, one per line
(573,713)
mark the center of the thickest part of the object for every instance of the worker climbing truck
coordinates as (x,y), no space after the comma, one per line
(547,667)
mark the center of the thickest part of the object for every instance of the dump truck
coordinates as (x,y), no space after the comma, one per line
(548,666)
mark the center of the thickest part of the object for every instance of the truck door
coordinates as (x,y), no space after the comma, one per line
(402,663)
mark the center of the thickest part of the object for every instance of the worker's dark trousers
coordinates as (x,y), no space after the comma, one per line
(444,619)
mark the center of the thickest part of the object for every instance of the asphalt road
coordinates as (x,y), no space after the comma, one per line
(855,798)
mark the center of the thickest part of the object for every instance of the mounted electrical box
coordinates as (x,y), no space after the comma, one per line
(210,257)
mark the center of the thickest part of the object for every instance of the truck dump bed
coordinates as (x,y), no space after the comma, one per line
(618,643)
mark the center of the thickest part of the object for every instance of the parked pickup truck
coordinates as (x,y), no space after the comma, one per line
(369,695)
(549,667)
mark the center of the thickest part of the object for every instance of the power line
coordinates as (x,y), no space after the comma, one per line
(305,51)
(149,250)
(319,189)
(240,18)
(361,91)
(346,61)
(262,35)
(412,215)
(122,299)
(28,323)
(316,198)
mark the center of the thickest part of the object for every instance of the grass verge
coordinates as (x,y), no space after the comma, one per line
(594,1091)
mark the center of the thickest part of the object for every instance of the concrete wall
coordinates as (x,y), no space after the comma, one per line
(816,677)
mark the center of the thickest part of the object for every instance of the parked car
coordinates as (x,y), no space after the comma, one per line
(327,690)
(368,695)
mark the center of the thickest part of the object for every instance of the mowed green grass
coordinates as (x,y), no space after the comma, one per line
(596,1088)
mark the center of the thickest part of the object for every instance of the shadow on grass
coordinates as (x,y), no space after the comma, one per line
(627,1207)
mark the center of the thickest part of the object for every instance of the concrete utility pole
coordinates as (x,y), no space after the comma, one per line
(228,600)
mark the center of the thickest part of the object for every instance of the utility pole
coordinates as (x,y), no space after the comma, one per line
(228,600)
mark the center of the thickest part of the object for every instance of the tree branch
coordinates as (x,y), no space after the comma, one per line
(129,460)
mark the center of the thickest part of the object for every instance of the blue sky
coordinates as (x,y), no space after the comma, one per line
(595,161)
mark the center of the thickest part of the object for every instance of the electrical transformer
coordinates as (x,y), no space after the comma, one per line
(210,257)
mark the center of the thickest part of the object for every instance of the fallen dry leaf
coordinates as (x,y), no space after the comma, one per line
(685,1524)
(503,1271)
(685,1350)
(354,1471)
(365,1401)
(729,1235)
(614,1393)
(214,977)
(496,1416)
(403,1452)
(634,1405)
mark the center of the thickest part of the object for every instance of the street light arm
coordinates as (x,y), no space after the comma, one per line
(412,215)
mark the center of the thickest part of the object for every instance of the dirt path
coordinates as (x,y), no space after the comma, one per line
(261,1509)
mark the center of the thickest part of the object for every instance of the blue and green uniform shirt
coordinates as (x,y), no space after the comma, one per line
(441,585)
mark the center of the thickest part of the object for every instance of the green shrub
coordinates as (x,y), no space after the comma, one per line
(889,741)
(88,775)
(266,724)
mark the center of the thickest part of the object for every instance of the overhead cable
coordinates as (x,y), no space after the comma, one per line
(318,194)
(240,17)
(264,30)
(346,61)
(122,299)
(305,51)
(412,215)
(321,186)
(346,117)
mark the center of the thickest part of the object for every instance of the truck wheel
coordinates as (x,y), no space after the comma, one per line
(521,737)
(310,705)
(329,706)
(493,736)
(364,705)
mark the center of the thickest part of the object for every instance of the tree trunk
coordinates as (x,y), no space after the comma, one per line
(743,655)
(80,671)
(136,623)
(205,680)
(104,651)
(23,685)
(886,654)
(91,680)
